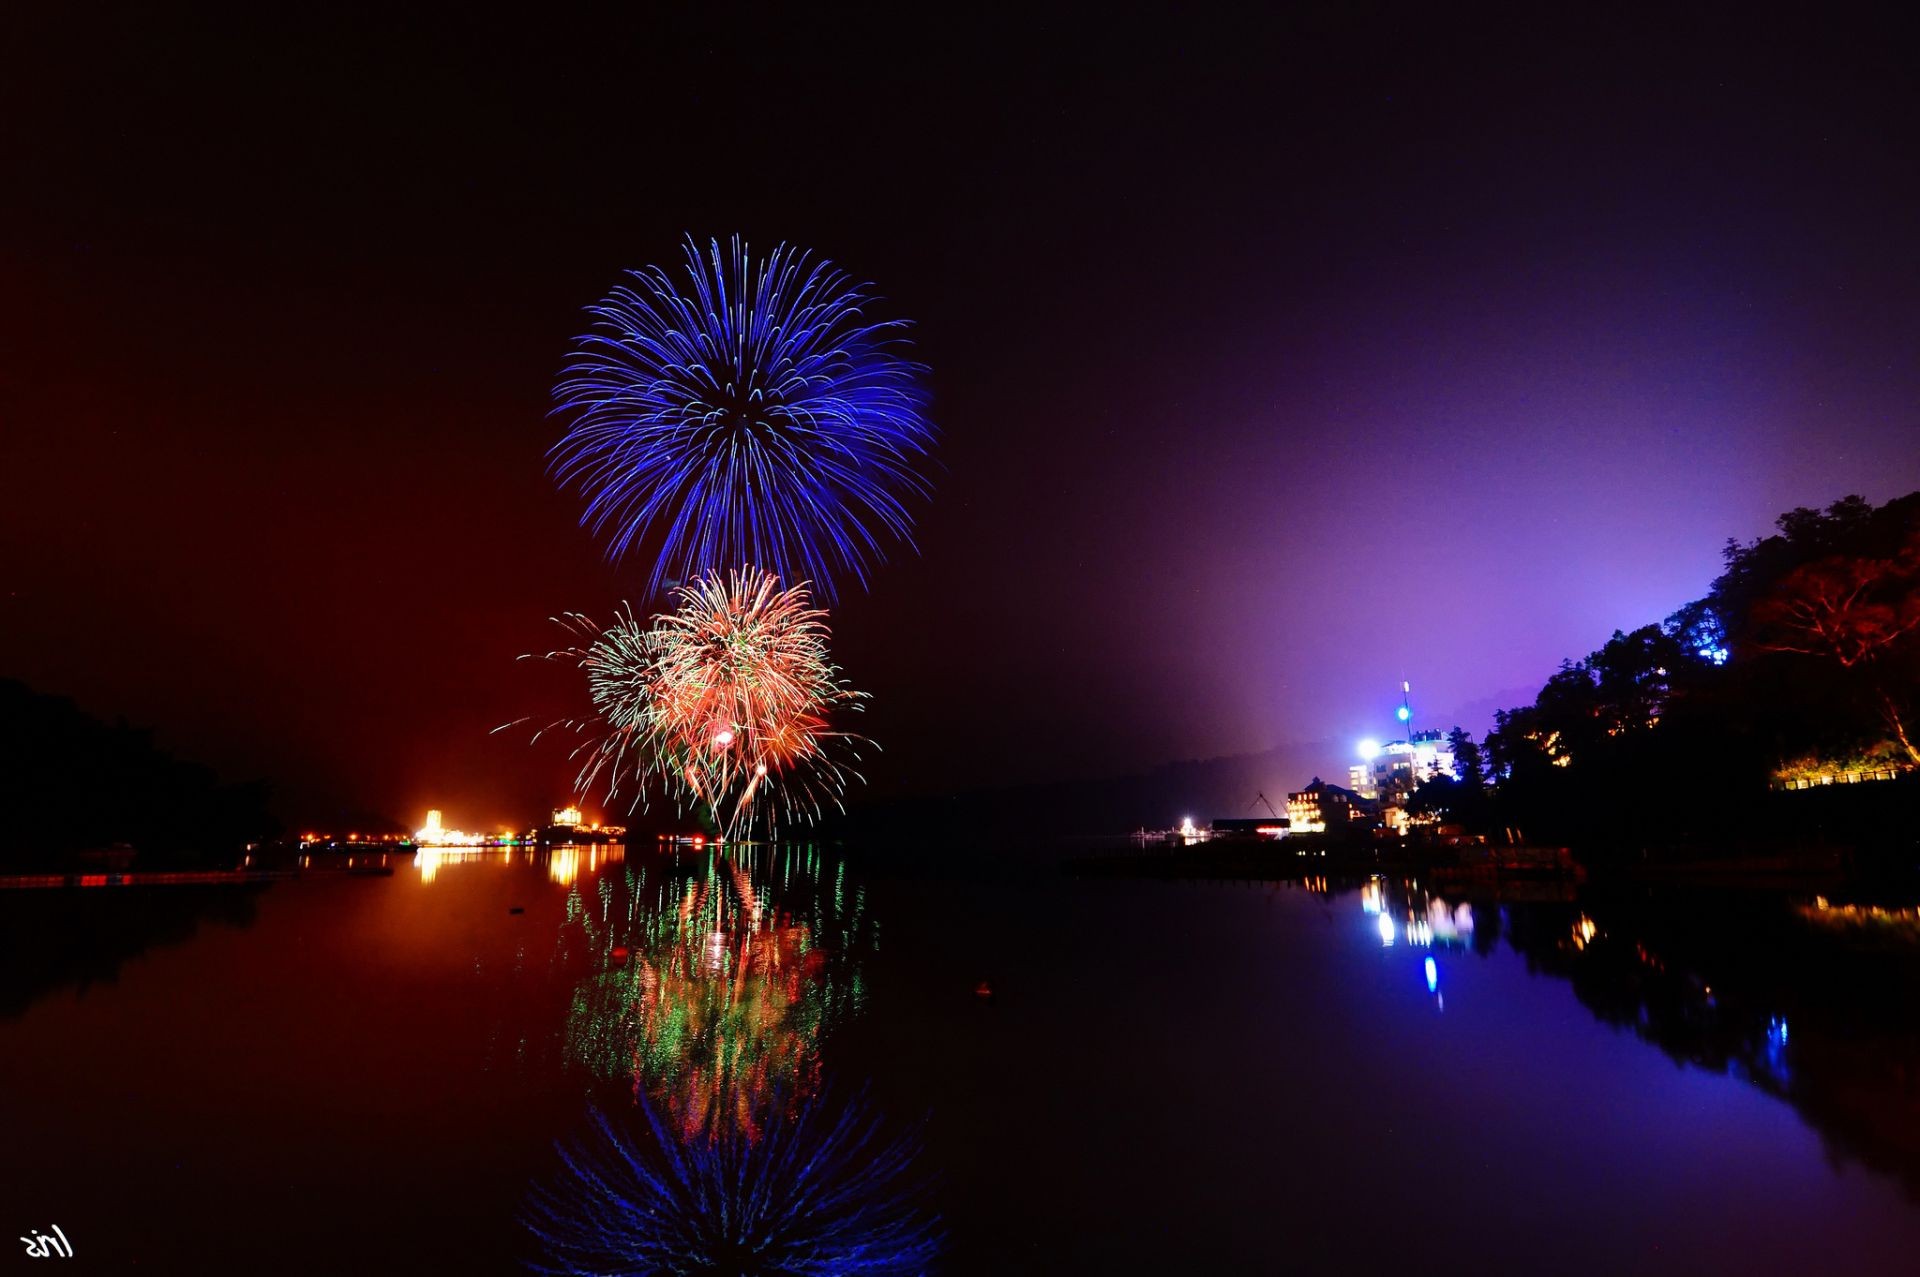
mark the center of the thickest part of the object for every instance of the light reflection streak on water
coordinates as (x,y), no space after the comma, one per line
(564,863)
(1672,1005)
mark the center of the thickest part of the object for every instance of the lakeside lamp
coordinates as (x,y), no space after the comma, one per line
(1403,713)
(1369,749)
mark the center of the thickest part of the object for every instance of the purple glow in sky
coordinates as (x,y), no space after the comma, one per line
(1276,359)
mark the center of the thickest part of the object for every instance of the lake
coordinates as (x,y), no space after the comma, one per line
(340,1073)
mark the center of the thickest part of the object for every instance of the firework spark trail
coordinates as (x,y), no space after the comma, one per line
(754,416)
(617,741)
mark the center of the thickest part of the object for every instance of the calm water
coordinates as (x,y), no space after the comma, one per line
(341,1074)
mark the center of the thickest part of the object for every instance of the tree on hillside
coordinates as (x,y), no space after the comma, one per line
(1620,690)
(1468,766)
(1460,797)
(1634,676)
(1807,647)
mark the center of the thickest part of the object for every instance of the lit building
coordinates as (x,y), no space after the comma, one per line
(1392,771)
(1400,766)
(435,834)
(571,827)
(1322,808)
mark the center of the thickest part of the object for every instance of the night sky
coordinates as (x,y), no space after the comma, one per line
(1277,358)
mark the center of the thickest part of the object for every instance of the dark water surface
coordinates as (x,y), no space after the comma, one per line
(342,1074)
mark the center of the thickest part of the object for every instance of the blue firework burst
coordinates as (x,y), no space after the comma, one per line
(751,413)
(807,1193)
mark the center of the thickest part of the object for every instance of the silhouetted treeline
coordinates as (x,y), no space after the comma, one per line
(1803,659)
(71,783)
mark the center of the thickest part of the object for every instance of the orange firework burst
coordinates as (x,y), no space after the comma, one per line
(725,699)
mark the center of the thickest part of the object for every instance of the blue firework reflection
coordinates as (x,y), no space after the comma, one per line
(819,1191)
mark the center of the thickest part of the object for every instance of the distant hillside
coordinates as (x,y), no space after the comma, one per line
(1155,799)
(70,782)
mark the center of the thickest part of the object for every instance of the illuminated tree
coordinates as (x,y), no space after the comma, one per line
(1856,611)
